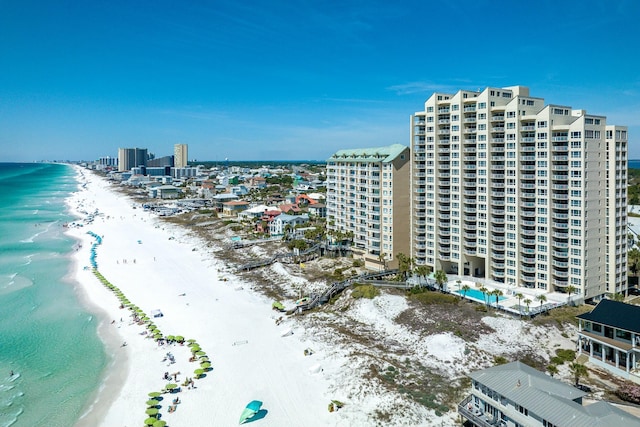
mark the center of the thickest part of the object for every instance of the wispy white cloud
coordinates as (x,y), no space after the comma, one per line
(422,87)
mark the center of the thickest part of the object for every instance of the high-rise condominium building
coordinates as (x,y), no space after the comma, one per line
(507,188)
(180,155)
(131,157)
(368,200)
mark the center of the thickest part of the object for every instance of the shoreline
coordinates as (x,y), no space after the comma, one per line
(110,385)
(200,299)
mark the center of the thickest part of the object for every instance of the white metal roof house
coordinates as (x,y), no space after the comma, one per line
(517,395)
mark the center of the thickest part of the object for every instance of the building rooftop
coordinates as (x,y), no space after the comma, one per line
(616,314)
(377,154)
(549,398)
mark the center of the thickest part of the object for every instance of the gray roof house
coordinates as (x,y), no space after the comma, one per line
(516,395)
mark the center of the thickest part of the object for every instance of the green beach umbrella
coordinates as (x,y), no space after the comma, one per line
(198,372)
(195,348)
(191,340)
(154,394)
(200,353)
(149,421)
(192,343)
(152,402)
(179,338)
(160,423)
(171,386)
(171,337)
(152,411)
(205,365)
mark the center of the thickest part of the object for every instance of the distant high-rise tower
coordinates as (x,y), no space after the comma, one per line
(180,155)
(131,157)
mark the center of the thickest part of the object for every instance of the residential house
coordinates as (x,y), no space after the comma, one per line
(234,207)
(279,225)
(220,199)
(318,210)
(610,336)
(290,208)
(168,192)
(516,395)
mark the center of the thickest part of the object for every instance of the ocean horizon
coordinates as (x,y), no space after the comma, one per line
(51,358)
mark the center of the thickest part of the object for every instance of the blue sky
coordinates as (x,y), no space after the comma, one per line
(294,79)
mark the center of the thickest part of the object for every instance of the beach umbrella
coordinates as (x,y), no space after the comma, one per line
(193,344)
(200,353)
(145,318)
(154,394)
(195,348)
(171,386)
(191,341)
(149,421)
(252,408)
(157,337)
(152,402)
(205,365)
(179,338)
(171,337)
(160,423)
(152,411)
(198,372)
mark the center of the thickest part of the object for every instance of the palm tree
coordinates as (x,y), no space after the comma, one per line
(552,369)
(465,288)
(404,264)
(484,293)
(422,271)
(618,297)
(441,279)
(382,258)
(570,289)
(527,302)
(497,293)
(542,298)
(579,371)
(633,260)
(520,296)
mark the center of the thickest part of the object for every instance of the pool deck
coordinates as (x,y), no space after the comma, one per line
(510,303)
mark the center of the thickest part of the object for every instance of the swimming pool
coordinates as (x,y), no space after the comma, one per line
(476,294)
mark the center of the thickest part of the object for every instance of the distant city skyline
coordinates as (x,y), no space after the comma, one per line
(291,80)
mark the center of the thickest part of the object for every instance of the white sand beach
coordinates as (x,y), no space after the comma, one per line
(356,342)
(158,267)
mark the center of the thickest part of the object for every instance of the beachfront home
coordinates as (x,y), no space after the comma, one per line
(610,336)
(234,207)
(319,210)
(516,395)
(220,199)
(280,223)
(168,192)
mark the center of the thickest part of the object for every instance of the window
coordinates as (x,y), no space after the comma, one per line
(542,124)
(482,105)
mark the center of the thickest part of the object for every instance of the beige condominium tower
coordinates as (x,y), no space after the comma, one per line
(509,189)
(180,155)
(368,201)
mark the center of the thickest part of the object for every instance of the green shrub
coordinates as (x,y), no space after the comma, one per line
(499,360)
(563,355)
(430,297)
(365,291)
(358,263)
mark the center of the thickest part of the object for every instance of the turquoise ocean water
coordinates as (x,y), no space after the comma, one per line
(47,339)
